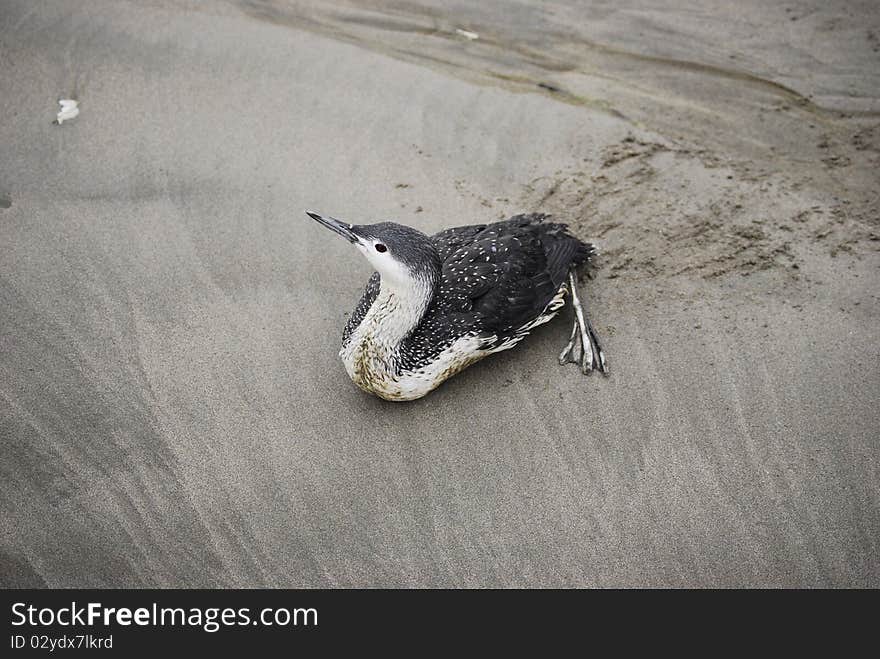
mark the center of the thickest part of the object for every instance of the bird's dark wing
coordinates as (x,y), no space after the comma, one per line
(363,305)
(449,240)
(503,275)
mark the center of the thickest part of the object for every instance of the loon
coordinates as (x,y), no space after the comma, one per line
(437,304)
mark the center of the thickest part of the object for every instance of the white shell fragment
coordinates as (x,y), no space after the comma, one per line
(69,109)
(467,34)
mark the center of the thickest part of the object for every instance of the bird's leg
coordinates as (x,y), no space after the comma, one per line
(587,359)
(566,355)
(592,356)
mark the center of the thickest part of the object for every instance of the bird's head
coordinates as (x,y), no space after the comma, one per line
(400,254)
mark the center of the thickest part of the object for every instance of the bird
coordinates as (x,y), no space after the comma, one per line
(437,304)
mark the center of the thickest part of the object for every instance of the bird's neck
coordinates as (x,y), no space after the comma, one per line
(372,355)
(397,311)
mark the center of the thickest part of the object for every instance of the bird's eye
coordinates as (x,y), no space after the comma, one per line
(381,248)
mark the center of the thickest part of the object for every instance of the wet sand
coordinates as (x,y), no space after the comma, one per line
(172,409)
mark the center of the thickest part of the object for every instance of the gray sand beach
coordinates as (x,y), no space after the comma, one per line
(172,408)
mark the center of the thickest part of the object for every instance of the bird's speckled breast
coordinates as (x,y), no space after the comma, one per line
(371,359)
(368,360)
(374,370)
(370,367)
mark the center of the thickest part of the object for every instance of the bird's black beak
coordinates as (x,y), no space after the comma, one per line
(335,226)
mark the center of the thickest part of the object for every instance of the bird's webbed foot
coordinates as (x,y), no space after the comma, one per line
(583,345)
